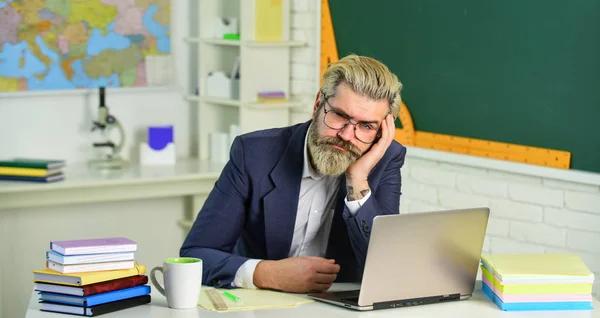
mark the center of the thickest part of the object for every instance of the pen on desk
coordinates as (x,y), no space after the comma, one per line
(232,297)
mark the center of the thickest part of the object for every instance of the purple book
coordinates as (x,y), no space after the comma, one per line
(94,246)
(271,94)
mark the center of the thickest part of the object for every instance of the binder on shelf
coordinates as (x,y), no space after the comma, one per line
(269,20)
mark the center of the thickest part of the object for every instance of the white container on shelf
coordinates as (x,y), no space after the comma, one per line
(225,25)
(218,84)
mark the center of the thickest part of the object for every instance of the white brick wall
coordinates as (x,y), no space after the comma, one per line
(582,201)
(532,193)
(300,5)
(437,177)
(304,60)
(517,211)
(571,219)
(528,214)
(480,185)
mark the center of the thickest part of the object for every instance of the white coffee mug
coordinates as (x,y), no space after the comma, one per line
(182,278)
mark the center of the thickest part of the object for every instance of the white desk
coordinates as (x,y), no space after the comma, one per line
(478,306)
(188,178)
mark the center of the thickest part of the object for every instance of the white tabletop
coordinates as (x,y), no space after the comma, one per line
(79,175)
(83,184)
(477,306)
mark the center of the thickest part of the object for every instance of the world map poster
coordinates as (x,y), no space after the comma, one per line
(73,44)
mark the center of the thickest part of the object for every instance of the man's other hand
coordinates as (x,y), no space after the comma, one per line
(297,274)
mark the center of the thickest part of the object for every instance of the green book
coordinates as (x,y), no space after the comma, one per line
(33,163)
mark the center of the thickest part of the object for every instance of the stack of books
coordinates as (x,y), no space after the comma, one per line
(32,170)
(521,282)
(91,277)
(271,97)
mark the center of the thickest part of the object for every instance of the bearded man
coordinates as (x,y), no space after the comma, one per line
(293,207)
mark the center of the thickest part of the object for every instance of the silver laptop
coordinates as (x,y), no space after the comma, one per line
(417,259)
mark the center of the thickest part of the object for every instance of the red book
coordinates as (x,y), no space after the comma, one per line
(93,289)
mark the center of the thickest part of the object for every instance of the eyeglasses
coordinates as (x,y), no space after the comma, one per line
(365,132)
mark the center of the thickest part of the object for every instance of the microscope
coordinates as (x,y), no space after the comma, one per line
(105,123)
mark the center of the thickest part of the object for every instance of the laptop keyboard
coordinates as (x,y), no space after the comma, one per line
(347,294)
(350,296)
(353,300)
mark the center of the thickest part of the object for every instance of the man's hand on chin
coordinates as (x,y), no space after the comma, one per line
(297,274)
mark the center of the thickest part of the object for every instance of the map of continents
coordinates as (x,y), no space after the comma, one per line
(69,44)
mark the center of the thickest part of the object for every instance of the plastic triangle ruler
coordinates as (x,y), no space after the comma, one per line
(329,51)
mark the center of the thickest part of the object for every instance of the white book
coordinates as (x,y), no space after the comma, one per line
(94,267)
(59,289)
(88,258)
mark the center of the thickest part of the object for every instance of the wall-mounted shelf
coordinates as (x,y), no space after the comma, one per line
(237,103)
(213,100)
(264,65)
(275,44)
(220,42)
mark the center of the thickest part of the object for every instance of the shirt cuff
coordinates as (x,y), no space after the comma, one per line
(244,277)
(354,206)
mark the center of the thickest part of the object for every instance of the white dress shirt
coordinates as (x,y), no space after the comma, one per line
(316,206)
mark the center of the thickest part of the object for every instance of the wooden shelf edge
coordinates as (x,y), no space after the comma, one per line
(221,42)
(292,104)
(251,44)
(284,105)
(191,98)
(275,44)
(212,100)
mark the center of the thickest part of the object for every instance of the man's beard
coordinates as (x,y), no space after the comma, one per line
(327,159)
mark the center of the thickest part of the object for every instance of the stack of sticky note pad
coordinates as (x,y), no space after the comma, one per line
(91,277)
(519,282)
(271,97)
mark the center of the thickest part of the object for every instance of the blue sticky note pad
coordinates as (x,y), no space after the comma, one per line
(536,306)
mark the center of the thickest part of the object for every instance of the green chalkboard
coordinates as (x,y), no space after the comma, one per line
(515,71)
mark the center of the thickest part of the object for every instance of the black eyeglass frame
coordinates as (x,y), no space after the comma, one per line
(377,136)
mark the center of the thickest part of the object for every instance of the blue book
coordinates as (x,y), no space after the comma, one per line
(96,310)
(53,178)
(539,306)
(93,300)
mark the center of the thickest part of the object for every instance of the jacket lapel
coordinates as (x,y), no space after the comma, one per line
(281,204)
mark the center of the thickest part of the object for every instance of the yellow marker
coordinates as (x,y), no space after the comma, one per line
(232,297)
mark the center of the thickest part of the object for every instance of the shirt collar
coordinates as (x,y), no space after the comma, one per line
(307,170)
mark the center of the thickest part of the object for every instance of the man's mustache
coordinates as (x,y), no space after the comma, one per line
(355,152)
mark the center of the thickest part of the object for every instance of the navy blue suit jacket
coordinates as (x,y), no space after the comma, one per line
(251,211)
